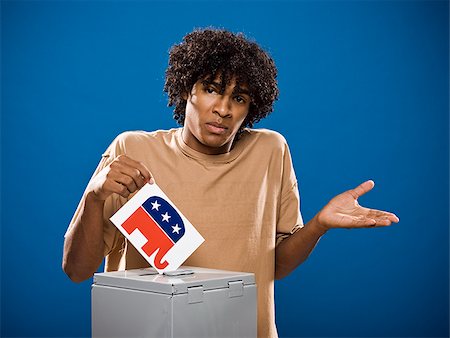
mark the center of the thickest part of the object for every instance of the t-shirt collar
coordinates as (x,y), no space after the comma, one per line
(220,158)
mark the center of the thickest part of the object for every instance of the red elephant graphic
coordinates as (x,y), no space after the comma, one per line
(161,225)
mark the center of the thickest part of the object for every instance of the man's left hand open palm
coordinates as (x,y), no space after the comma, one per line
(344,211)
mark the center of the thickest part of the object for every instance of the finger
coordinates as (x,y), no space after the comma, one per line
(354,221)
(117,188)
(383,221)
(362,189)
(371,222)
(143,170)
(378,214)
(362,221)
(145,173)
(392,217)
(123,179)
(135,175)
(386,220)
(129,167)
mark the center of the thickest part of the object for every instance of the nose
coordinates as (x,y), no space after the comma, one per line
(222,107)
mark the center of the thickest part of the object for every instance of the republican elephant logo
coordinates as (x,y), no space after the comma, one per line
(160,224)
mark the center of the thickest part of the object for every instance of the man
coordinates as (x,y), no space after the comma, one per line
(235,184)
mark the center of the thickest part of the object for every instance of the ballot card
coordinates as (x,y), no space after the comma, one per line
(157,229)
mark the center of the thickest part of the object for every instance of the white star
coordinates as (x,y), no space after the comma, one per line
(155,205)
(166,217)
(176,229)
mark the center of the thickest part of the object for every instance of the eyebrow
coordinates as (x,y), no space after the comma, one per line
(239,90)
(236,89)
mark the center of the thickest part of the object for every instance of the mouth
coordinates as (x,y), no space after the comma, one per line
(216,128)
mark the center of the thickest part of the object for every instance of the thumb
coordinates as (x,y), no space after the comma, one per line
(362,189)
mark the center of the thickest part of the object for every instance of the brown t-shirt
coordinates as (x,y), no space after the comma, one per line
(243,203)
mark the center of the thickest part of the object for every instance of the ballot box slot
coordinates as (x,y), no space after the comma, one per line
(179,272)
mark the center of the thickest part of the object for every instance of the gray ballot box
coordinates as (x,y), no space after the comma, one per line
(189,302)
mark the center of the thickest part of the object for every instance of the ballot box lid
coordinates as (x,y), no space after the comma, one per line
(148,279)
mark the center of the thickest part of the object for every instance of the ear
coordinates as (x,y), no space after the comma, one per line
(184,96)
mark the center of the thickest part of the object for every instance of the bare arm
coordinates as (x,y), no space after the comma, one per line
(84,245)
(343,211)
(295,249)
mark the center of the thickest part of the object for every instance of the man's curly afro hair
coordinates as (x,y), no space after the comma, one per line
(205,54)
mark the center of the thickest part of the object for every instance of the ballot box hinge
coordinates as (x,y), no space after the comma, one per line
(195,294)
(235,289)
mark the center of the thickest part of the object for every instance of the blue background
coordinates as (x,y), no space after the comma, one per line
(364,94)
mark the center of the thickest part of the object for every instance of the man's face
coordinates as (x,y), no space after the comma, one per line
(213,118)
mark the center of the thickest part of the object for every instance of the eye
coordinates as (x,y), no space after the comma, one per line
(210,90)
(239,99)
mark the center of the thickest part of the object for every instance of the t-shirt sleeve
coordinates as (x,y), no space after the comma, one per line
(111,235)
(289,217)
